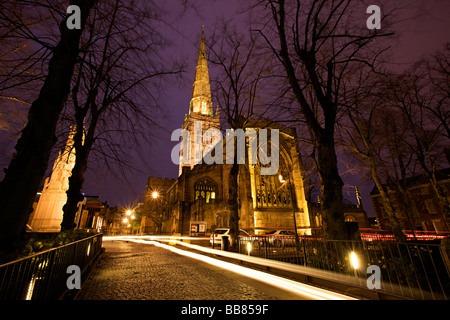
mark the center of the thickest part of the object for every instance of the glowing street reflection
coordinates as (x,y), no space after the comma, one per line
(285,284)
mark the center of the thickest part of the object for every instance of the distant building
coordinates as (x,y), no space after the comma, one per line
(113,221)
(373,223)
(155,204)
(353,213)
(92,214)
(426,212)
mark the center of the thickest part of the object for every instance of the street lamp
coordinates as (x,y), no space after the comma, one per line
(155,195)
(127,219)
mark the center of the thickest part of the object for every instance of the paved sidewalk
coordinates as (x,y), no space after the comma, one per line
(131,271)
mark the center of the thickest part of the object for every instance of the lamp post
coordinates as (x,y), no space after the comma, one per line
(155,195)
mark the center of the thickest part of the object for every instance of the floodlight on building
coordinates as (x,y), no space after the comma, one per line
(154,195)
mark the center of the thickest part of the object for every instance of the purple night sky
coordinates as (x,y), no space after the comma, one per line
(425,30)
(419,36)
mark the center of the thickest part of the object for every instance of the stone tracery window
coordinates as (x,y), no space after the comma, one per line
(205,189)
(270,191)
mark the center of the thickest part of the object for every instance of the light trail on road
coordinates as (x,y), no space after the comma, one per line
(285,284)
(300,269)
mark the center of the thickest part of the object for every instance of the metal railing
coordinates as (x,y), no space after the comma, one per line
(43,276)
(409,270)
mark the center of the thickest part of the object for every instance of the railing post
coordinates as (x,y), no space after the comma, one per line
(49,274)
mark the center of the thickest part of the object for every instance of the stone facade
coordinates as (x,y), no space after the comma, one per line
(48,214)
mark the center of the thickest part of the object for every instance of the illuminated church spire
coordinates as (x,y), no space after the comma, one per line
(201,93)
(200,117)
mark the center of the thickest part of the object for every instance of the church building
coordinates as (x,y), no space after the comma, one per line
(199,200)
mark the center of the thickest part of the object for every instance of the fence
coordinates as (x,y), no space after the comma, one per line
(44,275)
(409,270)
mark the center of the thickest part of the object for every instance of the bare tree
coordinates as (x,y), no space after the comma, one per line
(422,107)
(436,71)
(363,134)
(115,92)
(317,43)
(242,71)
(27,168)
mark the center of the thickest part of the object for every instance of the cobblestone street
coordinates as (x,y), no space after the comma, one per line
(131,271)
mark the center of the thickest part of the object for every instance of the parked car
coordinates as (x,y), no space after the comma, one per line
(280,238)
(221,232)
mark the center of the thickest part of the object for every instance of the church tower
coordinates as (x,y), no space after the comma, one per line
(48,214)
(201,115)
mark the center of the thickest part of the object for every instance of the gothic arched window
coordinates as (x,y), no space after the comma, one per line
(273,191)
(205,189)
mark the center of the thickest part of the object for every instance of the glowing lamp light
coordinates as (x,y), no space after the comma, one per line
(125,220)
(128,213)
(249,247)
(154,195)
(280,177)
(354,260)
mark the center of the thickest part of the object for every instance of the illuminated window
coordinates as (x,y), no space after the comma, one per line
(204,111)
(196,106)
(271,191)
(350,219)
(205,189)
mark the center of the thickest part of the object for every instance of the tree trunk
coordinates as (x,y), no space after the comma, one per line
(438,190)
(74,195)
(76,180)
(390,211)
(27,168)
(331,189)
(234,197)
